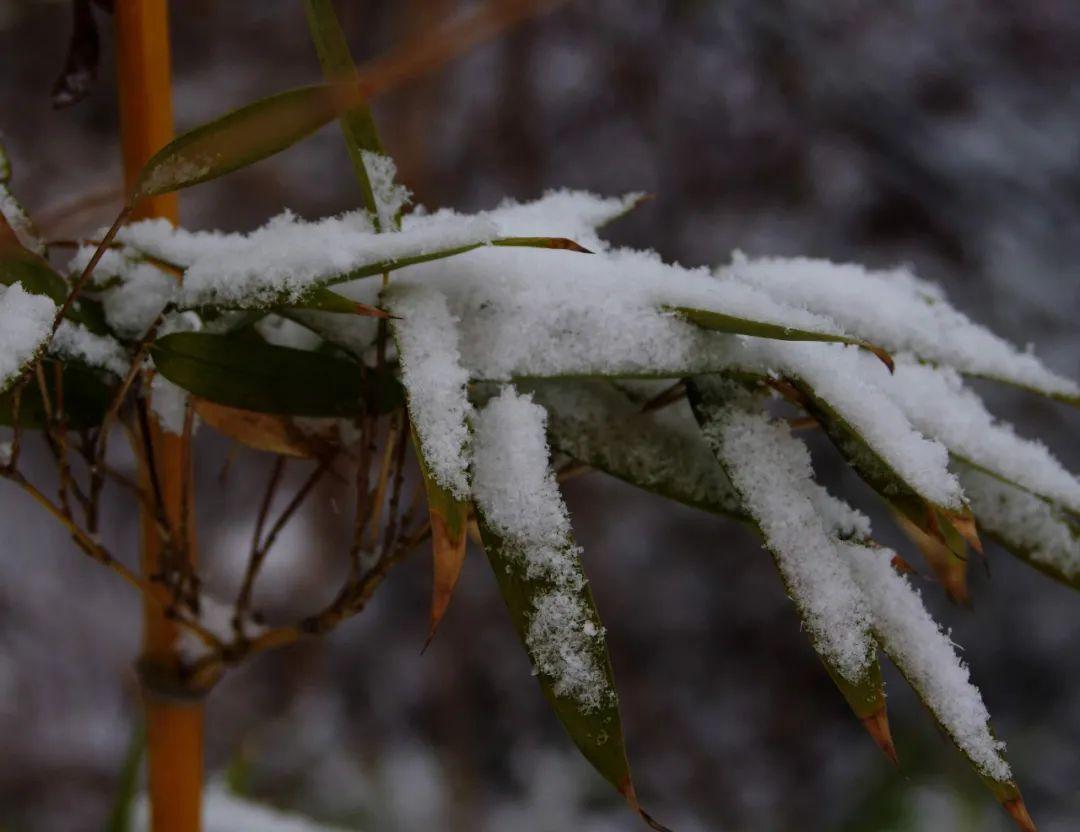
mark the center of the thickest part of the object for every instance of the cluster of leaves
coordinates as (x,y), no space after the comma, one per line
(683,432)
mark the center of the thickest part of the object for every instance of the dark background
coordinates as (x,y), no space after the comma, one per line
(941,133)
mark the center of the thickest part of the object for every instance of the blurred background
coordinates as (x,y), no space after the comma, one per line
(940,133)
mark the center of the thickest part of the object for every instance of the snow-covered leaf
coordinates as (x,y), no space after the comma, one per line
(526,533)
(435,385)
(250,374)
(903,314)
(25,326)
(1030,528)
(927,658)
(770,470)
(242,137)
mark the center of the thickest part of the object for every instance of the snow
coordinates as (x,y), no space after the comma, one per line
(25,324)
(283,332)
(390,197)
(169,403)
(225,812)
(281,260)
(435,382)
(771,470)
(937,403)
(75,342)
(896,310)
(133,292)
(518,499)
(856,389)
(926,656)
(563,213)
(1024,522)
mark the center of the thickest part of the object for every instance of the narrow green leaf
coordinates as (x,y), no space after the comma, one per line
(243,137)
(338,68)
(252,375)
(719,322)
(322,299)
(20,265)
(1039,533)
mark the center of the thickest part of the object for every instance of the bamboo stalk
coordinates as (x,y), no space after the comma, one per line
(174,729)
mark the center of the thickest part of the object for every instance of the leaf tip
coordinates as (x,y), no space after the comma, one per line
(1019,813)
(877,726)
(626,789)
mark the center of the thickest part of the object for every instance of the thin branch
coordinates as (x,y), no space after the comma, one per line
(243,599)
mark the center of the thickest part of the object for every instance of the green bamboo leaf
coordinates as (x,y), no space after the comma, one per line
(719,322)
(525,530)
(243,137)
(322,299)
(338,68)
(713,404)
(252,375)
(19,264)
(86,397)
(1034,530)
(956,529)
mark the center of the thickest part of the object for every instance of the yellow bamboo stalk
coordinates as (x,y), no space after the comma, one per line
(174,728)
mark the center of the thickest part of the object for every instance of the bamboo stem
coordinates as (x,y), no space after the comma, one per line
(174,729)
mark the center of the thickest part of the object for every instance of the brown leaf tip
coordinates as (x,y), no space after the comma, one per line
(1019,813)
(567,244)
(627,791)
(877,726)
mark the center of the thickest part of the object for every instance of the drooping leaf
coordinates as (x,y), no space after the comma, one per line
(1034,530)
(948,567)
(19,264)
(526,534)
(243,137)
(338,68)
(266,431)
(449,517)
(926,656)
(253,375)
(953,527)
(770,471)
(86,397)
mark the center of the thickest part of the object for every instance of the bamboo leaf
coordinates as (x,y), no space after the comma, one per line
(449,529)
(242,137)
(338,68)
(719,322)
(19,264)
(829,604)
(267,431)
(1034,530)
(124,802)
(324,300)
(526,534)
(252,375)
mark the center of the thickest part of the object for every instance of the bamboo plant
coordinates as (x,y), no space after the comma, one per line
(491,355)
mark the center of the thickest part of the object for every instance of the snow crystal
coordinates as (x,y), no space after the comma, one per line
(899,312)
(519,500)
(390,197)
(75,342)
(926,656)
(1023,521)
(169,403)
(435,381)
(133,292)
(25,324)
(771,470)
(563,213)
(937,403)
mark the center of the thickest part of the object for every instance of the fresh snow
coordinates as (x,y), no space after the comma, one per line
(938,404)
(25,324)
(19,221)
(169,403)
(390,197)
(288,256)
(226,812)
(926,656)
(133,292)
(896,310)
(771,470)
(435,382)
(75,342)
(1024,522)
(518,498)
